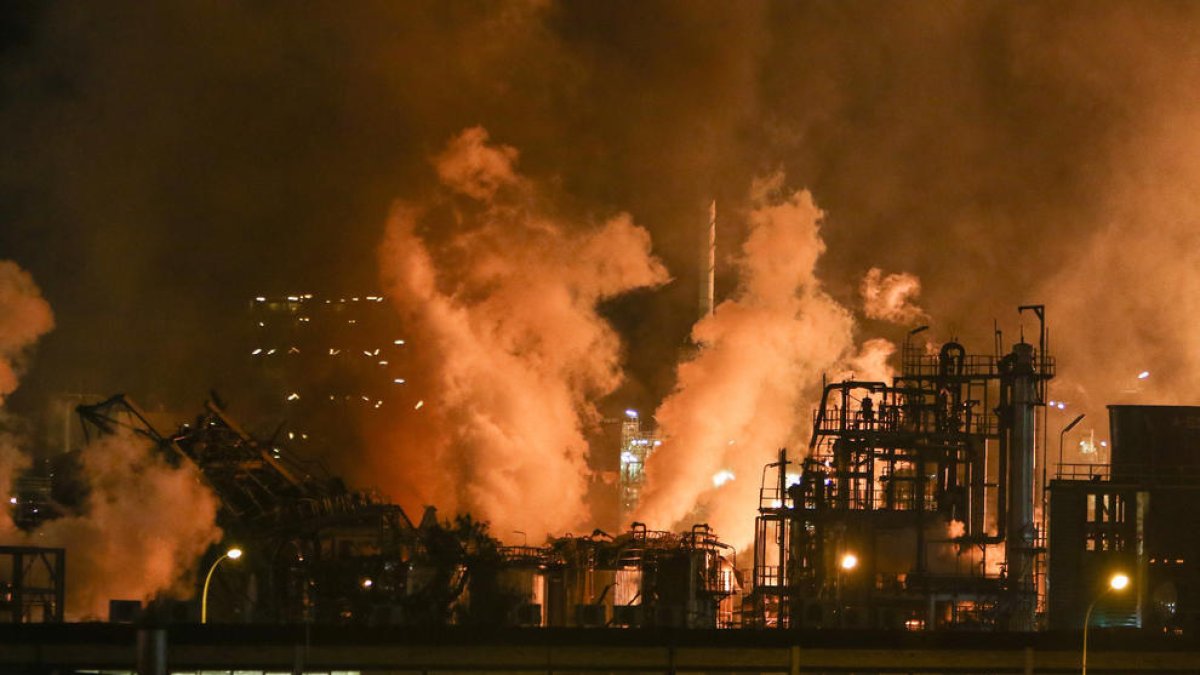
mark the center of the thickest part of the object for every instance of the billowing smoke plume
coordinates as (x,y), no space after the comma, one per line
(749,389)
(141,533)
(892,297)
(871,363)
(145,523)
(500,299)
(24,317)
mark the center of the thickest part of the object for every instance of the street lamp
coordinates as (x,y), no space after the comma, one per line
(233,554)
(846,564)
(1062,435)
(1118,582)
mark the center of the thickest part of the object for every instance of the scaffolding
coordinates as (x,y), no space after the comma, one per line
(32,584)
(909,496)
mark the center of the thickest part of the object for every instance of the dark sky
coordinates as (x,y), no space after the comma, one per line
(165,162)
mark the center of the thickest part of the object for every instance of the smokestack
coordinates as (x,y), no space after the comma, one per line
(708,263)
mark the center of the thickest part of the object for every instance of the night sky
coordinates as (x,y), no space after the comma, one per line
(165,163)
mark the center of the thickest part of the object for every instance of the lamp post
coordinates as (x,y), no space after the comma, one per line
(1062,435)
(1118,582)
(846,563)
(232,554)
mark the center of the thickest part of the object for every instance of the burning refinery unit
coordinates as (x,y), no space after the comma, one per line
(922,502)
(791,479)
(917,503)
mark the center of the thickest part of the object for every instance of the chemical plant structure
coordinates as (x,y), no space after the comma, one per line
(915,506)
(923,504)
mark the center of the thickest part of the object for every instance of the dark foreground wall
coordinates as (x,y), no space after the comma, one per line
(44,648)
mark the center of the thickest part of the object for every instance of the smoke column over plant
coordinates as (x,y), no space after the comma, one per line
(501,299)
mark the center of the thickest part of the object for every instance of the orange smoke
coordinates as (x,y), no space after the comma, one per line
(142,532)
(24,317)
(145,524)
(500,301)
(749,389)
(892,297)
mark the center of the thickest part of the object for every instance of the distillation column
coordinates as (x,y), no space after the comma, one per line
(1021,541)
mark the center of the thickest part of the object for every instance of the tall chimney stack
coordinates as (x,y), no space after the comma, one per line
(708,263)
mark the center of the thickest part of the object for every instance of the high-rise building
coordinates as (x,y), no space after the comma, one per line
(326,362)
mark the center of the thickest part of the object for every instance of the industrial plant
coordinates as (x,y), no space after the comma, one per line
(928,503)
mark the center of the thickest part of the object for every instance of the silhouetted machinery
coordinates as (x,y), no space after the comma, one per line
(641,578)
(317,551)
(915,506)
(1135,514)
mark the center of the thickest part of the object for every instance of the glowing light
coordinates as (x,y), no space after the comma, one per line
(398,342)
(12,500)
(1143,375)
(631,414)
(270,351)
(399,380)
(292,298)
(1118,582)
(293,397)
(849,561)
(383,363)
(256,352)
(234,553)
(1061,405)
(793,479)
(260,299)
(419,405)
(367,583)
(628,458)
(722,477)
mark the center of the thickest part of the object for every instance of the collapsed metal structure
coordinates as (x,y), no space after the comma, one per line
(915,505)
(321,553)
